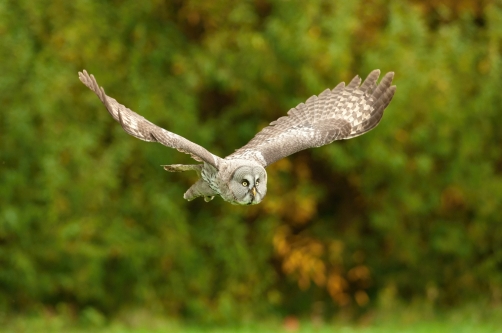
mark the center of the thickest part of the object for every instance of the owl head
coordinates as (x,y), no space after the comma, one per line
(247,185)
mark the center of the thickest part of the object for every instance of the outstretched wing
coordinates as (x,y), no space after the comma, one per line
(342,113)
(139,127)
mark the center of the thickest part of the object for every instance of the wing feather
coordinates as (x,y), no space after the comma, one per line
(342,113)
(139,127)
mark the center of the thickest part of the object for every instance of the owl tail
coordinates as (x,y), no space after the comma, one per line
(200,189)
(183,167)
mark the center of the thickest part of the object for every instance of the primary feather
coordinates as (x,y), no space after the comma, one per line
(341,113)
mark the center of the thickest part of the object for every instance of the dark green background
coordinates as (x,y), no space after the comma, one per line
(408,212)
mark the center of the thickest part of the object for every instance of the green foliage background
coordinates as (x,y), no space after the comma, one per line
(409,211)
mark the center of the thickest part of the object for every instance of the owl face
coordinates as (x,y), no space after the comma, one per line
(248,185)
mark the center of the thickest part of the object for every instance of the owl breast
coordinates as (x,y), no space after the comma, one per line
(210,175)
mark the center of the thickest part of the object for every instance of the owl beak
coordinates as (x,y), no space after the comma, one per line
(254,191)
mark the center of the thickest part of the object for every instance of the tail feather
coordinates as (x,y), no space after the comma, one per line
(182,167)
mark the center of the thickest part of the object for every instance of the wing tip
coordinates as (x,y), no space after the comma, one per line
(375,72)
(90,82)
(355,82)
(83,77)
(338,87)
(388,76)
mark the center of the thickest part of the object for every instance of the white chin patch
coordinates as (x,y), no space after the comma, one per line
(248,201)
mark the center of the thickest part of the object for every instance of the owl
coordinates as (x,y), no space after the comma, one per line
(240,178)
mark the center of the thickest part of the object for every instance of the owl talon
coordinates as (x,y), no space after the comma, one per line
(207,199)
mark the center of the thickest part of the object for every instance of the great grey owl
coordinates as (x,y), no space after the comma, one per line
(240,178)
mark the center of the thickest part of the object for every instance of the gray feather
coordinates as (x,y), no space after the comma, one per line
(139,127)
(341,113)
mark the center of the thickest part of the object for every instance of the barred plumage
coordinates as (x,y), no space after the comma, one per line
(341,113)
(240,178)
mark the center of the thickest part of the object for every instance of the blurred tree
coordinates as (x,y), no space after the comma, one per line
(89,219)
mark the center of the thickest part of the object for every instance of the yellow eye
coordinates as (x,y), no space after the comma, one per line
(245,183)
(257,181)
